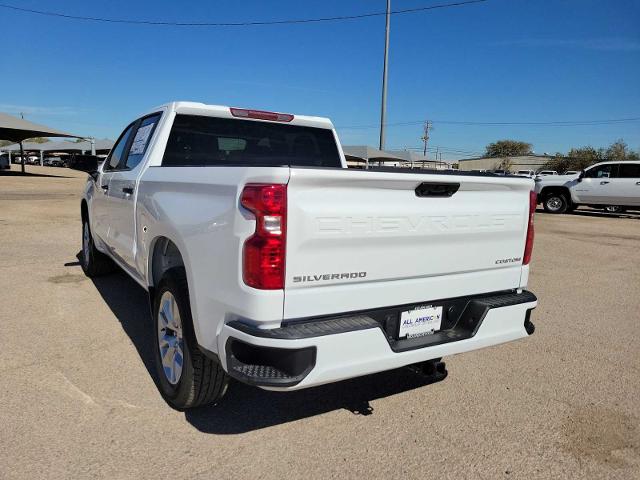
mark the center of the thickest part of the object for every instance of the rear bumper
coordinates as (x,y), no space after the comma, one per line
(309,352)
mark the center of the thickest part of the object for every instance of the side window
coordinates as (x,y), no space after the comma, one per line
(115,156)
(603,171)
(141,140)
(629,170)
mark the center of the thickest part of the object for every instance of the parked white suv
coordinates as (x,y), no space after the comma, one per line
(268,261)
(614,186)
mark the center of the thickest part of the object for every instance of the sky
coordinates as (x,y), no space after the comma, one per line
(496,61)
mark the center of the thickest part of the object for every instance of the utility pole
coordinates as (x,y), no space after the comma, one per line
(383,110)
(425,138)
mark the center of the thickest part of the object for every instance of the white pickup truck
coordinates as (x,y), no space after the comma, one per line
(268,261)
(613,186)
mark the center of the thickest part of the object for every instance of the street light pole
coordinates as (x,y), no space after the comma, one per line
(383,112)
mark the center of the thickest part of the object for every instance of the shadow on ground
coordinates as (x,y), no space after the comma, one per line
(602,214)
(246,408)
(634,214)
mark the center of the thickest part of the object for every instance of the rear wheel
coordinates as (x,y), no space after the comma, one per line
(186,377)
(93,262)
(555,203)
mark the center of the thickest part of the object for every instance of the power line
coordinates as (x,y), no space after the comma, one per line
(570,123)
(237,24)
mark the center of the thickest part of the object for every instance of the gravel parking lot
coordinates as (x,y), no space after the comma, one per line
(79,400)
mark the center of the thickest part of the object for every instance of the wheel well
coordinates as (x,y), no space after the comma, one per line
(546,191)
(84,210)
(165,256)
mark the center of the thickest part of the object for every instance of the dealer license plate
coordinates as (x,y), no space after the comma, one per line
(420,321)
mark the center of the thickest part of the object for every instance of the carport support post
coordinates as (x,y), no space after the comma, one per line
(41,159)
(93,145)
(22,156)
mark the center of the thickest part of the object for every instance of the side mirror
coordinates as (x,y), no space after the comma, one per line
(84,163)
(581,176)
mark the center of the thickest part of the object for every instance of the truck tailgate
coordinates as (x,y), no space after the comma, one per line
(366,239)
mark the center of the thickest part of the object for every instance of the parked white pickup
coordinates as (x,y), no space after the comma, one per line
(614,186)
(269,261)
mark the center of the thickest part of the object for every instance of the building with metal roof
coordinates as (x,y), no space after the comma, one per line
(516,162)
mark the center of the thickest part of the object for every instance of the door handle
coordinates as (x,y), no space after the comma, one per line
(128,190)
(603,183)
(637,183)
(105,187)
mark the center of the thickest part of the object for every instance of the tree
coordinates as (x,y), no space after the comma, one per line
(504,164)
(583,157)
(619,150)
(508,148)
(559,163)
(4,143)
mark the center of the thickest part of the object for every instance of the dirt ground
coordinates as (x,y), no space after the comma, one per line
(78,398)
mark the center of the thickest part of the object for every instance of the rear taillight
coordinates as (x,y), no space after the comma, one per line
(528,246)
(261,115)
(263,256)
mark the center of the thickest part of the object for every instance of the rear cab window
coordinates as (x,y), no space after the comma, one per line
(629,170)
(211,141)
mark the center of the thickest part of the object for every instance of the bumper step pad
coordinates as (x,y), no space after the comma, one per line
(317,328)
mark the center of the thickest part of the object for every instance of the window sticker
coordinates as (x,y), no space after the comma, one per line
(140,141)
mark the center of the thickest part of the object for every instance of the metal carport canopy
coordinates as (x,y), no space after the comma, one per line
(18,129)
(60,146)
(365,153)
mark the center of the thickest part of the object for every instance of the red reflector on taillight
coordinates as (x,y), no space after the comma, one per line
(261,115)
(263,256)
(528,246)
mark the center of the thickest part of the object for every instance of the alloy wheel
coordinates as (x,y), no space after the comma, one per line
(170,339)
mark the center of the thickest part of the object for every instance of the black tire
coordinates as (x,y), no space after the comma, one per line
(202,380)
(94,263)
(555,203)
